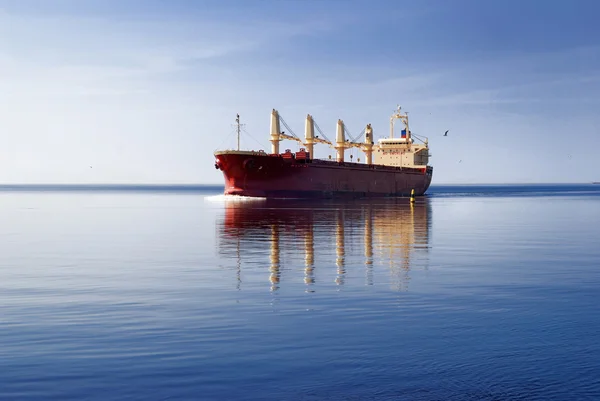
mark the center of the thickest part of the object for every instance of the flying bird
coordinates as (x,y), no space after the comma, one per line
(446,133)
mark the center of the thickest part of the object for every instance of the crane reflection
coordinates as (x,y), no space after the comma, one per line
(327,239)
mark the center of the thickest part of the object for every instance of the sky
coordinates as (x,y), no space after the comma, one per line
(144,91)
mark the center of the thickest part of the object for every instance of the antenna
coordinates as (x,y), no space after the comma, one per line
(237,123)
(238,128)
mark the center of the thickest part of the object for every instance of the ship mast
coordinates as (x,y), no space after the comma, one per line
(237,123)
(392,124)
(404,118)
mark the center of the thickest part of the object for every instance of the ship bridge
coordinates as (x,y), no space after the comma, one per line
(402,151)
(393,141)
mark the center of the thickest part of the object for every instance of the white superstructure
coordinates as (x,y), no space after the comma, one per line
(401,151)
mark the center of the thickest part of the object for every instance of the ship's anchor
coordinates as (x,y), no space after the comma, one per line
(249,164)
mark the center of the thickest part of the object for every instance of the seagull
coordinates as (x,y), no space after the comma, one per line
(446,133)
(460,161)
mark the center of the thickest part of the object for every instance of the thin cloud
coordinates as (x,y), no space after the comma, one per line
(108,58)
(69,53)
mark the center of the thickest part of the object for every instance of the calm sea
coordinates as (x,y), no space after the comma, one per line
(179,293)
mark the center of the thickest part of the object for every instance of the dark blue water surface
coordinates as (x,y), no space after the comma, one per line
(179,293)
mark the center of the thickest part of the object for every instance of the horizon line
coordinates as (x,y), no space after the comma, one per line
(214,185)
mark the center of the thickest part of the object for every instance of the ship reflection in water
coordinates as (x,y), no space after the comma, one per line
(326,243)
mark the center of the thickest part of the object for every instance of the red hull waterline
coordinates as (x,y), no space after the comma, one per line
(258,174)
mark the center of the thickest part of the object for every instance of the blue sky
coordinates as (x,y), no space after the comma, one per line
(118,91)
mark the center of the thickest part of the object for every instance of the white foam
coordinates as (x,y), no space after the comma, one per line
(232,198)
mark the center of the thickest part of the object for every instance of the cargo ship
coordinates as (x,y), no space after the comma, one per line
(395,166)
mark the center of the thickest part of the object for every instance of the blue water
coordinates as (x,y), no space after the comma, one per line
(178,293)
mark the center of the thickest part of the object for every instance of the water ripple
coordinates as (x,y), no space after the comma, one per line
(468,294)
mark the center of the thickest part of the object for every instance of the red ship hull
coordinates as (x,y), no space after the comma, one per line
(258,174)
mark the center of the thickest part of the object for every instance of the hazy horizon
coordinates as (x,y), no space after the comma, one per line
(142,92)
(213,185)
